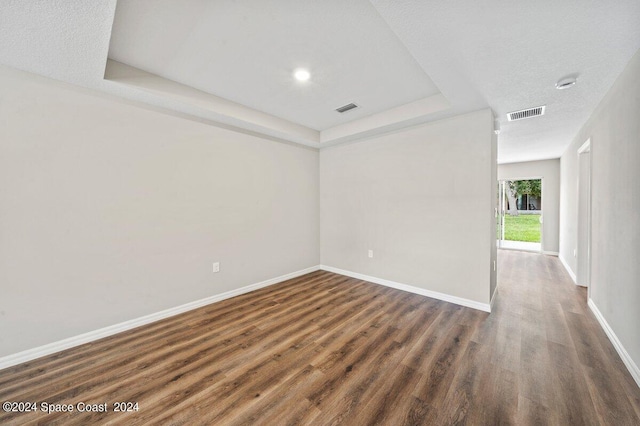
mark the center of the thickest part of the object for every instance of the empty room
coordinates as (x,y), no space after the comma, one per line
(242,212)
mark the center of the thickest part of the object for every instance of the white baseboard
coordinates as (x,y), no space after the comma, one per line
(550,253)
(411,289)
(566,266)
(624,355)
(48,349)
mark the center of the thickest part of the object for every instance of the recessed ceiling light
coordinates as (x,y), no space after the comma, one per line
(565,83)
(302,74)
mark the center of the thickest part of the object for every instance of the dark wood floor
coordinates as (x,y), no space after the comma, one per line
(326,349)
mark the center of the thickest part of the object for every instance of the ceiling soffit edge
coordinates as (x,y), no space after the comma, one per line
(186,99)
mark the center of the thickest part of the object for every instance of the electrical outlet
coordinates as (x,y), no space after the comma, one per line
(216,266)
(494,265)
(370,253)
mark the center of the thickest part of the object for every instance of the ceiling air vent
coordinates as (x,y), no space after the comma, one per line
(526,113)
(347,107)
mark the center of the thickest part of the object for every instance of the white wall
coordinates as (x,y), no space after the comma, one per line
(549,170)
(110,211)
(422,199)
(614,129)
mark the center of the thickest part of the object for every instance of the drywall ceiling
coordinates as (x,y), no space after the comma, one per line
(246,51)
(67,41)
(511,53)
(408,62)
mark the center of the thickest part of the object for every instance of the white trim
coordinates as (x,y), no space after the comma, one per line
(493,298)
(624,355)
(520,178)
(586,147)
(550,253)
(411,289)
(566,266)
(519,249)
(48,349)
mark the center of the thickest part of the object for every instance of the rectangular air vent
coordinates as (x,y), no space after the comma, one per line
(347,107)
(526,113)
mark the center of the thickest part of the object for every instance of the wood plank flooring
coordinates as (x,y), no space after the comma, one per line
(326,349)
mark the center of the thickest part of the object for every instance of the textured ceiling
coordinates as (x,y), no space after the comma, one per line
(511,53)
(497,54)
(65,40)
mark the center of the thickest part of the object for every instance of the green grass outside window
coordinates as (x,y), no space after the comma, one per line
(522,228)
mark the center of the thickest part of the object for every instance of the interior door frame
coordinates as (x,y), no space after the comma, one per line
(583,237)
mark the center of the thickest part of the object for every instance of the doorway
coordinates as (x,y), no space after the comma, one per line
(583,276)
(520,214)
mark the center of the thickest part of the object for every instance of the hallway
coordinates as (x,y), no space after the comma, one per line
(567,370)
